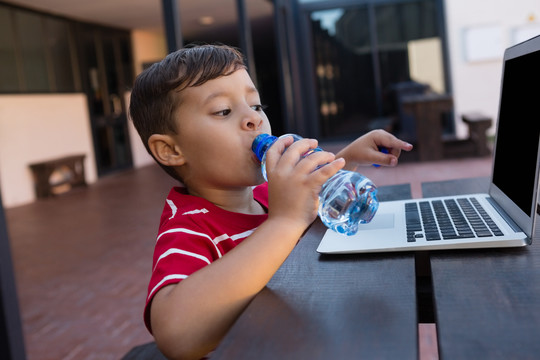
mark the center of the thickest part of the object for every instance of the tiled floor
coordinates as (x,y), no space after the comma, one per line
(82,260)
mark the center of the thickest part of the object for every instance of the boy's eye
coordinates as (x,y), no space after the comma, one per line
(258,107)
(223,112)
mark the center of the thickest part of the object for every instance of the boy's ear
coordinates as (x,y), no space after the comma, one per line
(165,150)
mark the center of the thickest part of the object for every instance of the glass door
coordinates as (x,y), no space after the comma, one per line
(106,73)
(368,55)
(346,85)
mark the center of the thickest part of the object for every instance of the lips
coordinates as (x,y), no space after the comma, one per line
(254,157)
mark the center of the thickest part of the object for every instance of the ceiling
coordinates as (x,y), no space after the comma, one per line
(147,14)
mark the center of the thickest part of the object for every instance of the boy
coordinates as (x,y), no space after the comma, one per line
(197,113)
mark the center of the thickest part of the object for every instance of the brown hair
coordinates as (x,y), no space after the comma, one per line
(154,97)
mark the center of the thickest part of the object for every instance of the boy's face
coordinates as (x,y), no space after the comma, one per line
(216,123)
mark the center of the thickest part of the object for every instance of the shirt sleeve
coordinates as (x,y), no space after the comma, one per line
(179,252)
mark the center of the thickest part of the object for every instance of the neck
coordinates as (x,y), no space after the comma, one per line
(239,201)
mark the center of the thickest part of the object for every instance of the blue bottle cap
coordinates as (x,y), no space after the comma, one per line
(261,143)
(383,150)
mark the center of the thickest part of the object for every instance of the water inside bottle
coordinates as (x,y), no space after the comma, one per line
(347,200)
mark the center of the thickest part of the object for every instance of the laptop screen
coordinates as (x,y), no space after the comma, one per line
(515,162)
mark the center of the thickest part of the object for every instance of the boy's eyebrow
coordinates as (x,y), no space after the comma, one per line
(249,90)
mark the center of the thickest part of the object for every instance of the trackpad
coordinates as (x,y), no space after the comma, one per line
(380,221)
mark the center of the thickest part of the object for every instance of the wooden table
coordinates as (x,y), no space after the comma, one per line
(487,302)
(332,306)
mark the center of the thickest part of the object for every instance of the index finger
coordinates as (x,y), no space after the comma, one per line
(278,150)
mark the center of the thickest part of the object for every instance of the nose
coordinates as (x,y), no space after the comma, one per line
(252,120)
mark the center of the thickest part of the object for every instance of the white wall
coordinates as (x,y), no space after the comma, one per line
(138,150)
(40,127)
(476,83)
(148,46)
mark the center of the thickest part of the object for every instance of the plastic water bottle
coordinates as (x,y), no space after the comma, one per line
(346,199)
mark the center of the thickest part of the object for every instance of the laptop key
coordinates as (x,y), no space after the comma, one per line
(483,233)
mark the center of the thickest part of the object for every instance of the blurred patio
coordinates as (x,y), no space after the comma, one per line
(82,259)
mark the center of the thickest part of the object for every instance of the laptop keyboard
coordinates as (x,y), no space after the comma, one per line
(448,219)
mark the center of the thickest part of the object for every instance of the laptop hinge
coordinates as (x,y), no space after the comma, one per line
(503,214)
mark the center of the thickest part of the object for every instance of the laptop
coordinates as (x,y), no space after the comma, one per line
(504,217)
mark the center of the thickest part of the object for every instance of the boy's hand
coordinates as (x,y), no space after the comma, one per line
(366,149)
(294,183)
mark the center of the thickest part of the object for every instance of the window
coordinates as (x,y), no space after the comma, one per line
(8,60)
(36,52)
(29,40)
(60,51)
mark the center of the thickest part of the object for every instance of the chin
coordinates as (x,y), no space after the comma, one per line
(260,180)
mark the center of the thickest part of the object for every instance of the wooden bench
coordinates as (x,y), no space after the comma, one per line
(478,125)
(72,175)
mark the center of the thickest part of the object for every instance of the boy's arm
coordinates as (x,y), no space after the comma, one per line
(190,318)
(366,150)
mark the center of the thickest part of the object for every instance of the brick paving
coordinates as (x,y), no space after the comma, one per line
(82,262)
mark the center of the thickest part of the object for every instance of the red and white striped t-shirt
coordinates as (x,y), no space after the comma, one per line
(193,232)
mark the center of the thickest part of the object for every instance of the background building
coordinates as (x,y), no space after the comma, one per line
(328,69)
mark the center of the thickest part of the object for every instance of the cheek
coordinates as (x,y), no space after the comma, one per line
(266,128)
(202,146)
(214,154)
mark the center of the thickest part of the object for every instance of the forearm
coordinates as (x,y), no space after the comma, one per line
(192,317)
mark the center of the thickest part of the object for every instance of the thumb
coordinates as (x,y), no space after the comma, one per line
(384,158)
